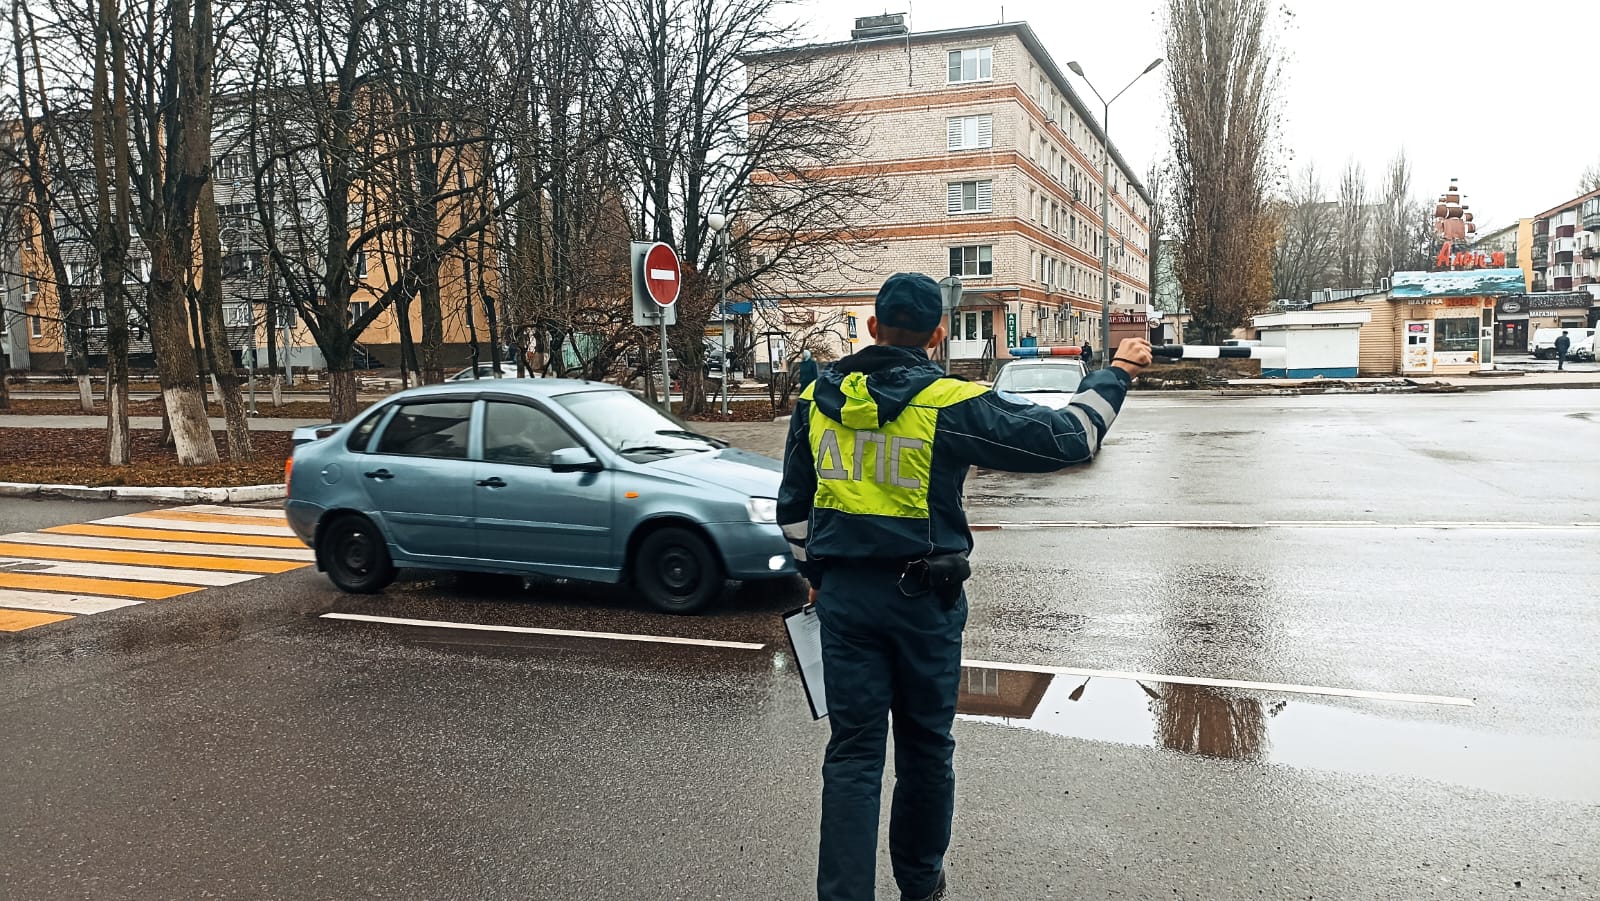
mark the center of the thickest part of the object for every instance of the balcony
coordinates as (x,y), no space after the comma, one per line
(1541,253)
(1563,257)
(1564,245)
(1591,222)
(1591,253)
(1561,284)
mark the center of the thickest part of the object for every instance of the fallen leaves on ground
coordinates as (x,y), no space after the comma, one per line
(78,457)
(738,411)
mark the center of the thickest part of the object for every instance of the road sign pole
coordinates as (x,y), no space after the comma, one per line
(666,371)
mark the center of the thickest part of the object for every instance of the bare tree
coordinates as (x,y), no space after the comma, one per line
(1351,228)
(726,122)
(1307,247)
(47,177)
(113,188)
(1404,231)
(1222,74)
(1589,181)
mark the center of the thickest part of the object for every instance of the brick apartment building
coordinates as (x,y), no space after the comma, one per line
(996,166)
(1566,246)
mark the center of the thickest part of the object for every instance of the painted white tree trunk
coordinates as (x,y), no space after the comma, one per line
(191,430)
(85,394)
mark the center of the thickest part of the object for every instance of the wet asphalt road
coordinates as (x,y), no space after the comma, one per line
(232,744)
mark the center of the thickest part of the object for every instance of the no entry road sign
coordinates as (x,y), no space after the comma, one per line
(662,275)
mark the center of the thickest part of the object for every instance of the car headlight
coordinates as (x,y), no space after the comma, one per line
(762,509)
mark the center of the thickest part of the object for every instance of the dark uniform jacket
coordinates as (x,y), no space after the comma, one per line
(880,445)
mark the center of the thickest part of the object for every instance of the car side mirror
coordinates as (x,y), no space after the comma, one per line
(574,459)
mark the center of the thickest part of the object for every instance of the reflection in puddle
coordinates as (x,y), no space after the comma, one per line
(1224,723)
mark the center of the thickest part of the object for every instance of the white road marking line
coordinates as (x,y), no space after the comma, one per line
(1003,524)
(185,525)
(531,630)
(53,539)
(257,512)
(83,604)
(1276,687)
(1322,522)
(130,573)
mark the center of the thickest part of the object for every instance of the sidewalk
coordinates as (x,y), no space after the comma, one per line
(1498,380)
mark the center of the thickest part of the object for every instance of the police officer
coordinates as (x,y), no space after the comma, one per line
(878,450)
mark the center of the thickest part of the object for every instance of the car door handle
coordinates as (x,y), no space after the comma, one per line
(379,474)
(492,482)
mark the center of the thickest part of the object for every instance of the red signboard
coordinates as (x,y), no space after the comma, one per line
(662,275)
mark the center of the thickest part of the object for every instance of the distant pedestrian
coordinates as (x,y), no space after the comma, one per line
(1088,355)
(806,372)
(1563,344)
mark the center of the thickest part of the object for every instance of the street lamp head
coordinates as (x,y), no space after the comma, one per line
(1076,69)
(1151,68)
(716,221)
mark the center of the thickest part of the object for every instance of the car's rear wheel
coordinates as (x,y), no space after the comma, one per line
(677,570)
(354,555)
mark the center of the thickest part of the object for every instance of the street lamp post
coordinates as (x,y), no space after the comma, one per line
(1105,200)
(719,223)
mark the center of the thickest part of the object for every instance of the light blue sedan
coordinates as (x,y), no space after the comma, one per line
(550,476)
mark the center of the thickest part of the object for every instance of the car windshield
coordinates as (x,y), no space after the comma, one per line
(1045,378)
(634,428)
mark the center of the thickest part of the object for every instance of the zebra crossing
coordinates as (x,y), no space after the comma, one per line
(82,569)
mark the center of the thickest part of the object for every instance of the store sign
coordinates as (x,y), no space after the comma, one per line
(1510,307)
(1127,319)
(1011,329)
(1470,283)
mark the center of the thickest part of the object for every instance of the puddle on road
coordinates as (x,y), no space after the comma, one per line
(1228,724)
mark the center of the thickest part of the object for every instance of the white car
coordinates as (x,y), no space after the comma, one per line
(1544,341)
(1048,381)
(1583,351)
(486,371)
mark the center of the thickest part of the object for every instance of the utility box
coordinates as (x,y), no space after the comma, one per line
(1315,342)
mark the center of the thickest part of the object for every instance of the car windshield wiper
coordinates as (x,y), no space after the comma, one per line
(683,433)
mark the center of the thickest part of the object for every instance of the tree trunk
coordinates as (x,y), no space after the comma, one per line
(432,331)
(342,405)
(218,351)
(181,389)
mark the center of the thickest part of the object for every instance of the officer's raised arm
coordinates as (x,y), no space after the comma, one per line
(994,432)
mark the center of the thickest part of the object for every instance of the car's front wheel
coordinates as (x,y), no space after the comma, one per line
(354,555)
(677,570)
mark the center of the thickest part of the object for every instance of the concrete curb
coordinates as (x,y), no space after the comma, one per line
(237,494)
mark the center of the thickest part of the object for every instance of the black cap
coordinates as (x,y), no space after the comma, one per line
(911,301)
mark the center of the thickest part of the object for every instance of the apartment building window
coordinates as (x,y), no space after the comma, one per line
(1030,209)
(1072,228)
(1049,271)
(972,261)
(969,132)
(231,167)
(36,325)
(358,308)
(969,197)
(1044,216)
(976,64)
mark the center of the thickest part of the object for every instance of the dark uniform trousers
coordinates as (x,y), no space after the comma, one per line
(886,656)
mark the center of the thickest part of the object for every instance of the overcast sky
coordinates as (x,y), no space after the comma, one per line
(1504,100)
